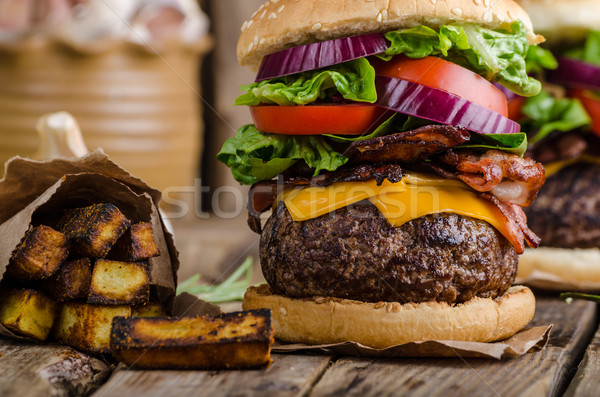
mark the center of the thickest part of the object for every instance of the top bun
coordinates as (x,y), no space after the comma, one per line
(281,24)
(563,21)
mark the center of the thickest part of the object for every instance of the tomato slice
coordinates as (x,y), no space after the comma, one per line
(447,76)
(514,108)
(591,103)
(352,119)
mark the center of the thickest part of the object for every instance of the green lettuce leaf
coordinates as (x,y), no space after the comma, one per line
(354,80)
(499,55)
(254,156)
(539,59)
(512,143)
(545,114)
(590,52)
(398,122)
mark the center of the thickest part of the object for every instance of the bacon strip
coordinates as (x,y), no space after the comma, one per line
(510,178)
(516,220)
(262,195)
(407,147)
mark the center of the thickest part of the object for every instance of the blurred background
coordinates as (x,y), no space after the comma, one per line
(152,83)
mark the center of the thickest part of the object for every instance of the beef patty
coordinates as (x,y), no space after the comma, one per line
(566,213)
(355,253)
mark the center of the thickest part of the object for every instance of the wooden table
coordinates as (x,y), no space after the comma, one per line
(568,365)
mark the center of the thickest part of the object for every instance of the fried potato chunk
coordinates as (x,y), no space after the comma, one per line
(150,310)
(87,327)
(71,281)
(117,283)
(39,254)
(27,312)
(94,230)
(233,340)
(136,244)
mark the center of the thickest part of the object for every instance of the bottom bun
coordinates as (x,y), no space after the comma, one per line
(323,320)
(561,268)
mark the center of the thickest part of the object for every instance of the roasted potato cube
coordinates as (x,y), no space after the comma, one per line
(27,312)
(234,340)
(87,327)
(150,310)
(39,254)
(136,244)
(118,283)
(93,230)
(71,281)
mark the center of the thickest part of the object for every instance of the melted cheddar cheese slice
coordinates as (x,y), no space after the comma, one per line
(416,195)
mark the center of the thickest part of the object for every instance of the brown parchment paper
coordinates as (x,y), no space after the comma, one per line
(518,344)
(32,192)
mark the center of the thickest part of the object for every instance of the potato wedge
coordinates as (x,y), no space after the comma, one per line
(117,283)
(135,245)
(93,230)
(71,281)
(150,310)
(39,254)
(233,340)
(87,327)
(27,312)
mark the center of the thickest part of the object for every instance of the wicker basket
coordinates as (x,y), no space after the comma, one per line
(142,108)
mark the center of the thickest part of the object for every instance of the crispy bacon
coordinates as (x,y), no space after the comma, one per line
(516,220)
(407,147)
(510,178)
(262,195)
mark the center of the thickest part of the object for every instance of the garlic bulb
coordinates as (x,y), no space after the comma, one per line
(60,136)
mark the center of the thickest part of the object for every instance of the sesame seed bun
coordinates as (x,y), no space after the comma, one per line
(563,21)
(561,269)
(280,24)
(384,324)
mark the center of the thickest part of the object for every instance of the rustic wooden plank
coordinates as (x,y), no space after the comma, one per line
(542,373)
(289,375)
(585,381)
(48,370)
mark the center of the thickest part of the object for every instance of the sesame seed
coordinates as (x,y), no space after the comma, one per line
(317,26)
(396,307)
(477,2)
(434,2)
(263,14)
(379,305)
(389,308)
(250,47)
(281,9)
(509,14)
(379,17)
(262,41)
(250,22)
(384,15)
(320,299)
(487,15)
(272,16)
(244,25)
(255,41)
(283,311)
(486,3)
(457,11)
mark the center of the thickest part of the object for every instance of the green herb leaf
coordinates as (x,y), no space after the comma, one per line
(512,143)
(545,114)
(254,156)
(354,80)
(232,289)
(539,59)
(569,296)
(590,51)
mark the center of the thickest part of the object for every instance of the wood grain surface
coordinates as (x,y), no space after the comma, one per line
(47,370)
(543,373)
(587,379)
(288,376)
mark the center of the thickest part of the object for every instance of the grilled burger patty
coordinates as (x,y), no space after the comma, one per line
(355,253)
(566,213)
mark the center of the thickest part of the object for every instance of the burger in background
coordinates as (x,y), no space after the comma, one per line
(397,208)
(563,123)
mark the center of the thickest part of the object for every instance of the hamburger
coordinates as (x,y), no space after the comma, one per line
(563,123)
(395,179)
